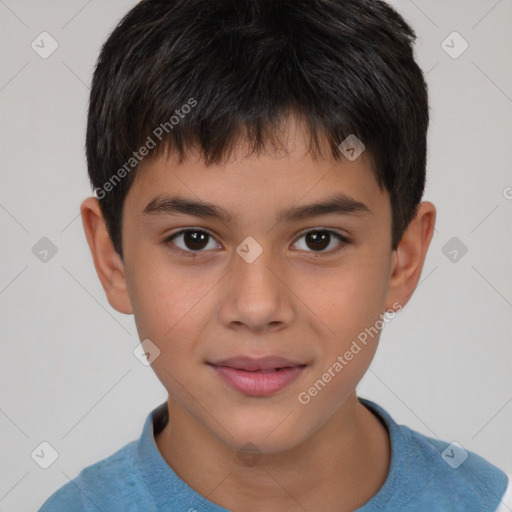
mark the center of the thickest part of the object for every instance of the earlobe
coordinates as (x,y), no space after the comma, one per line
(108,264)
(408,260)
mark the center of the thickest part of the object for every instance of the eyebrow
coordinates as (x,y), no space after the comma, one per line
(174,205)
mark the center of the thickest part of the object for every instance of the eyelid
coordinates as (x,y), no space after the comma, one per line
(322,228)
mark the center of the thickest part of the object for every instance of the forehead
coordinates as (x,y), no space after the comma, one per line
(278,179)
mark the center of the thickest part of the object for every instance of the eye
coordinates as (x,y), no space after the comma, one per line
(320,239)
(191,241)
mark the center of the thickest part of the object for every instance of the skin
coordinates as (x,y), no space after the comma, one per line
(331,454)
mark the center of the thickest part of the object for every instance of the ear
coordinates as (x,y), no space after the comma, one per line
(108,264)
(409,256)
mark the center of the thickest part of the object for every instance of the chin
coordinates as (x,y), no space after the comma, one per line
(273,436)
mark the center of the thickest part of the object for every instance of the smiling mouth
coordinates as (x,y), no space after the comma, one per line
(262,371)
(257,364)
(259,382)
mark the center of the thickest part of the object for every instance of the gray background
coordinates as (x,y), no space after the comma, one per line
(67,372)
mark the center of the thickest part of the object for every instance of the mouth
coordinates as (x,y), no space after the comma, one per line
(258,377)
(262,364)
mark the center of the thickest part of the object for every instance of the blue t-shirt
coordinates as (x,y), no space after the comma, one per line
(425,474)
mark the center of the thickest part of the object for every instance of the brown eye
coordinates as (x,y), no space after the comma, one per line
(192,240)
(320,239)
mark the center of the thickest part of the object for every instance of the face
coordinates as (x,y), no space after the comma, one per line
(270,278)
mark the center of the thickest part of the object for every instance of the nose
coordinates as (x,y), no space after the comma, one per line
(257,294)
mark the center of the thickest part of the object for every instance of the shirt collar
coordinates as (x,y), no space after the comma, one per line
(169,490)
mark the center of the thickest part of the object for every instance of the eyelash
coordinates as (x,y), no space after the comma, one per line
(197,254)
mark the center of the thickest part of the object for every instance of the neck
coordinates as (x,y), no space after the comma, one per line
(339,468)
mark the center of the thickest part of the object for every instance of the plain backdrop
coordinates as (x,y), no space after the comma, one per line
(68,376)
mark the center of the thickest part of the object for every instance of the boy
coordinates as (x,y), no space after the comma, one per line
(258,168)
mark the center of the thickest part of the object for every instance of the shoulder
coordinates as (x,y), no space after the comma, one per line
(450,476)
(428,474)
(113,483)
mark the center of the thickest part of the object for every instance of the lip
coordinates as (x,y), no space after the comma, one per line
(258,377)
(252,364)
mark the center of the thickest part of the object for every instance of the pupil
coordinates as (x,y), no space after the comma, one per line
(320,239)
(195,239)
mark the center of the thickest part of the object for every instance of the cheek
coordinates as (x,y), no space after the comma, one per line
(169,307)
(350,305)
(352,296)
(170,311)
